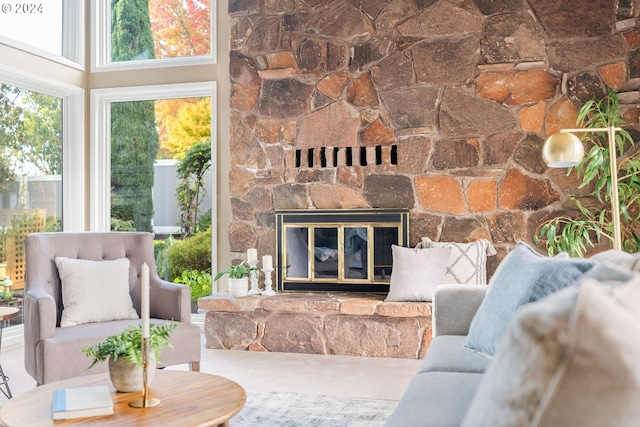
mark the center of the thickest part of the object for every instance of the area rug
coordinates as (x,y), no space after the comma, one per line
(302,410)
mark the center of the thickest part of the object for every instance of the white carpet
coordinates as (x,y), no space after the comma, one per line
(302,410)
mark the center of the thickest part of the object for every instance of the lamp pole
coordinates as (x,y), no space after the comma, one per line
(613,170)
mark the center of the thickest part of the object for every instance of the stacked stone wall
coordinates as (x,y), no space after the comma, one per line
(440,107)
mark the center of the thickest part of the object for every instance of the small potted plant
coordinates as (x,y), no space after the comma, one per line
(238,279)
(6,294)
(124,353)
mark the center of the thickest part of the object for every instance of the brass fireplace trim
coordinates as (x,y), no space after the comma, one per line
(369,219)
(341,258)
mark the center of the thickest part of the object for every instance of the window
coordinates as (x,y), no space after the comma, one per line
(40,147)
(147,128)
(181,36)
(40,101)
(49,28)
(139,34)
(137,134)
(30,176)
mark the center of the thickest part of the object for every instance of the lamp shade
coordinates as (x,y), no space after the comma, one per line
(562,150)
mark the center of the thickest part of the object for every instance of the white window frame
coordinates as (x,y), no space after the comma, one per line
(73,31)
(73,159)
(100,155)
(101,43)
(72,37)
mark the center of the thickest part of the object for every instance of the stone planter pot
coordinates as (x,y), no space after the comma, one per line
(127,377)
(239,287)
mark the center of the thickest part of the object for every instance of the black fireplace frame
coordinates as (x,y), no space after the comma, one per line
(345,217)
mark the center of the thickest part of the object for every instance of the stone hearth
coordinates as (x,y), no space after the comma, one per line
(319,323)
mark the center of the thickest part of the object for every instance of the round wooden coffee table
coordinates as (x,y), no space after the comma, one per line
(187,399)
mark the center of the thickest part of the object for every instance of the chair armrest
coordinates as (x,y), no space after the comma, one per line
(454,307)
(170,301)
(40,308)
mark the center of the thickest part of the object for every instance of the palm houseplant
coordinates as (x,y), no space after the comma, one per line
(592,223)
(238,278)
(124,354)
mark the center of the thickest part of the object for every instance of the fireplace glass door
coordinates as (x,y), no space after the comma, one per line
(350,255)
(325,252)
(297,252)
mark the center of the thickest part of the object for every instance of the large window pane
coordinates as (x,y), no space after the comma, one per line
(30,176)
(159,29)
(158,143)
(160,178)
(45,27)
(37,24)
(161,181)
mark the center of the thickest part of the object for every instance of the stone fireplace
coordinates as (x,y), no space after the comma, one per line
(338,250)
(437,107)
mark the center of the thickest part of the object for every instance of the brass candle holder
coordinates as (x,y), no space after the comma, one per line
(145,401)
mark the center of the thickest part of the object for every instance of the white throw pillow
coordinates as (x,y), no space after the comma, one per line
(94,291)
(468,262)
(416,273)
(570,359)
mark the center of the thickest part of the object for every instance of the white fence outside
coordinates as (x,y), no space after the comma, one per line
(45,192)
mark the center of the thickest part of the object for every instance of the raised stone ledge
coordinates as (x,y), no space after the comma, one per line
(318,323)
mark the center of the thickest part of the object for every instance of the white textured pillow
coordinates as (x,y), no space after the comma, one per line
(94,291)
(416,273)
(569,359)
(468,262)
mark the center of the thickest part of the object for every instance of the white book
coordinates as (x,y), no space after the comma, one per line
(77,402)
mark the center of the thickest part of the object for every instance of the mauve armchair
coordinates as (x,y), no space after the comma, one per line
(53,352)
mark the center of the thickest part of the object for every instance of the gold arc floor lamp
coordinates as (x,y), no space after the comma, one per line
(564,150)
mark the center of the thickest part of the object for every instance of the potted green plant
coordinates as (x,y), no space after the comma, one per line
(6,294)
(238,279)
(124,354)
(576,233)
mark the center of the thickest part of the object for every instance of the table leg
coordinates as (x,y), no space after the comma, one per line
(4,380)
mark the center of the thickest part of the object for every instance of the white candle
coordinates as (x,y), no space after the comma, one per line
(144,299)
(252,254)
(267,262)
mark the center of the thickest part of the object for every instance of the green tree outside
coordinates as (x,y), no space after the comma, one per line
(134,138)
(131,37)
(191,171)
(30,133)
(11,130)
(42,121)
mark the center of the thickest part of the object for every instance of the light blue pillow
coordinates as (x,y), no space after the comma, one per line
(522,277)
